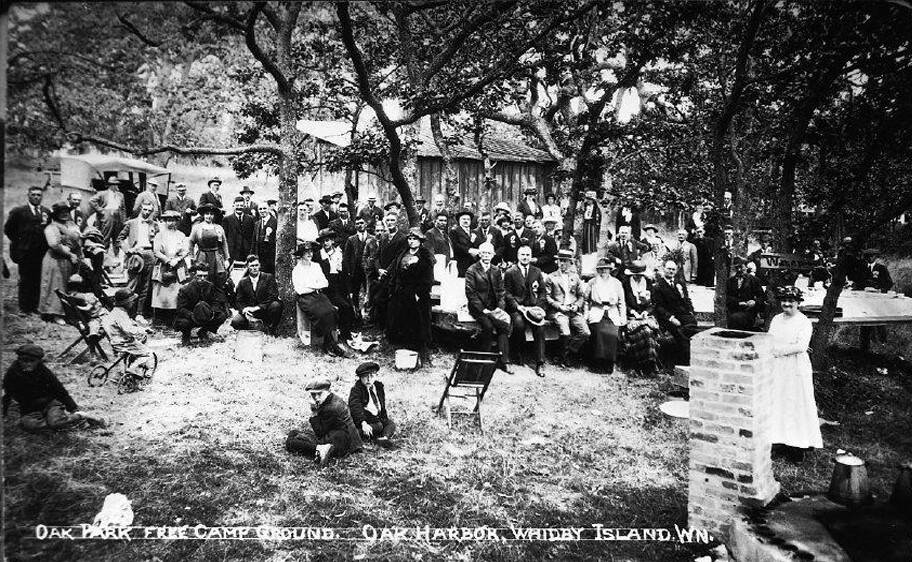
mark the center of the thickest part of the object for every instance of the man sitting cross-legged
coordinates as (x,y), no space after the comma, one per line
(200,304)
(43,402)
(257,296)
(332,433)
(367,403)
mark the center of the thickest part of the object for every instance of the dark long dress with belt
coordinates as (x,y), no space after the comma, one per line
(592,224)
(642,348)
(409,321)
(212,250)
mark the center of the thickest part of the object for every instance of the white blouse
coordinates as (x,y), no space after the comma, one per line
(307,278)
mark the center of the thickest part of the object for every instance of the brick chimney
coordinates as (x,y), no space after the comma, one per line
(731,383)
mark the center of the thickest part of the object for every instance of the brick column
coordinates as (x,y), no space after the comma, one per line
(731,377)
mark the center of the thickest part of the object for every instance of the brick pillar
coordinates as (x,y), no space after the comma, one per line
(731,377)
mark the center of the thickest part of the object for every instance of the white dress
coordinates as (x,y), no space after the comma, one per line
(794,420)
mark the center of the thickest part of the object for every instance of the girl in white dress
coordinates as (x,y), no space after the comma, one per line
(794,420)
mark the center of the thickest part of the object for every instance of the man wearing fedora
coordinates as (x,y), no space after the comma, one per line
(43,401)
(250,207)
(27,244)
(214,198)
(238,232)
(110,210)
(125,334)
(367,404)
(257,296)
(185,206)
(200,304)
(332,433)
(136,242)
(525,296)
(566,295)
(465,242)
(371,213)
(325,215)
(150,195)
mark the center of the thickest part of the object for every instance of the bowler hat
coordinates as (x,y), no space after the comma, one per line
(246,189)
(30,350)
(315,385)
(464,212)
(415,232)
(391,204)
(272,201)
(367,368)
(326,233)
(534,315)
(216,179)
(208,208)
(124,297)
(421,200)
(326,200)
(637,267)
(606,263)
(202,313)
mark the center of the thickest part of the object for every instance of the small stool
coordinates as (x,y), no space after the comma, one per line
(304,331)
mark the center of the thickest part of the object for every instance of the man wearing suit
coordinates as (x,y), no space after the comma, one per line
(876,274)
(367,403)
(525,295)
(184,205)
(511,240)
(528,206)
(465,242)
(136,241)
(437,239)
(264,237)
(74,198)
(150,195)
(353,261)
(544,249)
(342,225)
(689,261)
(238,231)
(250,206)
(111,212)
(674,310)
(439,207)
(325,215)
(214,198)
(424,215)
(25,230)
(627,215)
(566,295)
(519,227)
(745,298)
(332,433)
(626,249)
(487,232)
(371,213)
(389,245)
(200,304)
(484,287)
(257,296)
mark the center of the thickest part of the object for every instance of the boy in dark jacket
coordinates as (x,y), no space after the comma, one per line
(367,403)
(332,433)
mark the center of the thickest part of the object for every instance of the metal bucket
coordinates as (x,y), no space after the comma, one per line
(249,346)
(849,485)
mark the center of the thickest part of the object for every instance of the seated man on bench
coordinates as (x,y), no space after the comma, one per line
(525,297)
(332,433)
(257,296)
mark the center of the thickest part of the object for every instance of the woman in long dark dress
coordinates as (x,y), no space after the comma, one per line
(592,224)
(61,260)
(209,245)
(641,335)
(607,313)
(411,277)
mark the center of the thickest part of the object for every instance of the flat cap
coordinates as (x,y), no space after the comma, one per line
(367,368)
(30,350)
(315,385)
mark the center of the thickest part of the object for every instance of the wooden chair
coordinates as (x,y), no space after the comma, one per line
(472,371)
(74,317)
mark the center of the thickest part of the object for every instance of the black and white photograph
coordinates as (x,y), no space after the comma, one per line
(508,280)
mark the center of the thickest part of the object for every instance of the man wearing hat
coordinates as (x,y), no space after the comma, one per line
(214,198)
(371,213)
(525,296)
(484,289)
(200,304)
(325,215)
(337,197)
(367,403)
(465,242)
(136,242)
(185,206)
(125,334)
(150,195)
(566,296)
(332,433)
(43,401)
(250,206)
(342,225)
(239,231)
(110,210)
(674,310)
(745,297)
(25,230)
(528,206)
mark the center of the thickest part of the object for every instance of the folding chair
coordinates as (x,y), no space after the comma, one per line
(473,370)
(75,318)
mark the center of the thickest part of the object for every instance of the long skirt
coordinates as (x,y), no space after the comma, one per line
(54,275)
(165,296)
(409,322)
(794,413)
(320,311)
(604,339)
(642,347)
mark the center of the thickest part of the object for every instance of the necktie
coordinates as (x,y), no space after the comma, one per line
(374,399)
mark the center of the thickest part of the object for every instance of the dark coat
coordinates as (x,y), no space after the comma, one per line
(882,281)
(493,235)
(511,242)
(635,304)
(530,291)
(239,235)
(370,215)
(462,243)
(353,256)
(332,418)
(438,242)
(706,268)
(267,291)
(389,248)
(633,223)
(196,292)
(544,251)
(342,228)
(358,399)
(629,252)
(34,391)
(209,198)
(668,302)
(484,290)
(26,233)
(750,290)
(526,210)
(181,206)
(322,219)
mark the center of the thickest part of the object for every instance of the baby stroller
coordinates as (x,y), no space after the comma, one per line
(126,380)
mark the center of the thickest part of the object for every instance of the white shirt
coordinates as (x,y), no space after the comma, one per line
(254,281)
(371,407)
(334,258)
(308,278)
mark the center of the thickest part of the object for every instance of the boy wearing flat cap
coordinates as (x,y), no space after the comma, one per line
(332,433)
(367,403)
(43,401)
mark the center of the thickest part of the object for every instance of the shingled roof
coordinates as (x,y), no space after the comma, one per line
(499,150)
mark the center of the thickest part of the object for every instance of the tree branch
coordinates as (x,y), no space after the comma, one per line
(284,86)
(213,15)
(135,31)
(77,138)
(49,98)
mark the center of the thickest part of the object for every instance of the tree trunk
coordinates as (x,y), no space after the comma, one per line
(720,257)
(450,174)
(286,235)
(824,326)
